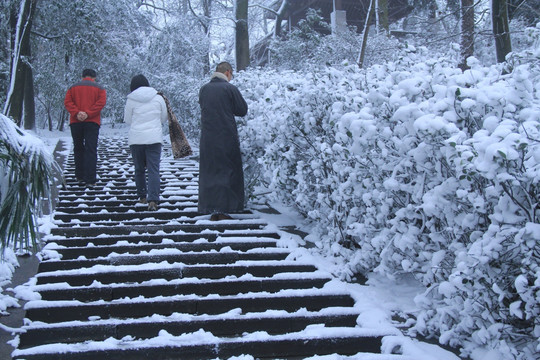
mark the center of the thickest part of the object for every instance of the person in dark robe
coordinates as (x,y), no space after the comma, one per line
(221,176)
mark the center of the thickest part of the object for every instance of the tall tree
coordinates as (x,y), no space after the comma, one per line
(204,20)
(382,10)
(21,79)
(369,18)
(501,29)
(242,35)
(285,4)
(467,32)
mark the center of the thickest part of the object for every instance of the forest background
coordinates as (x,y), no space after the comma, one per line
(412,145)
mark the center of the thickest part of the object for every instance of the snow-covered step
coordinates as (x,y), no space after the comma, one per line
(126,230)
(231,324)
(213,236)
(119,282)
(122,201)
(209,257)
(290,301)
(134,274)
(74,252)
(160,287)
(202,345)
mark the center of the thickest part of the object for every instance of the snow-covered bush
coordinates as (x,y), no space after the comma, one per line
(416,167)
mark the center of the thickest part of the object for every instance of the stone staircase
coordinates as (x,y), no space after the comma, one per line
(119,282)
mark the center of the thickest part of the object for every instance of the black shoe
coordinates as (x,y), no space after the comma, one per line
(90,185)
(220,216)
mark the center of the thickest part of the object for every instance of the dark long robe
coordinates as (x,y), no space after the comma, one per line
(221,177)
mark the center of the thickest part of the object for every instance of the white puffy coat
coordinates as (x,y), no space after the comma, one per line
(145,111)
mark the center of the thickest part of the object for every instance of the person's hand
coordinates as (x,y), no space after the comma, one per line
(81,116)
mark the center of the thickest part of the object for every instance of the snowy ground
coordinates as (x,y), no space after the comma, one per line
(378,300)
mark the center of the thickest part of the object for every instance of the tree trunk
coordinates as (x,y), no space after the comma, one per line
(501,29)
(207,11)
(369,18)
(383,16)
(20,62)
(64,116)
(467,32)
(279,18)
(242,35)
(29,100)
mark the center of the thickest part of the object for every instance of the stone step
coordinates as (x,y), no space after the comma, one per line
(218,326)
(180,287)
(131,201)
(144,258)
(71,253)
(285,347)
(139,212)
(110,275)
(126,230)
(62,311)
(111,211)
(92,242)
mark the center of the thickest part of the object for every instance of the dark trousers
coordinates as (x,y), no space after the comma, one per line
(85,142)
(146,159)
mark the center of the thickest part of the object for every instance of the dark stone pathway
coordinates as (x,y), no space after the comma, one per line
(120,282)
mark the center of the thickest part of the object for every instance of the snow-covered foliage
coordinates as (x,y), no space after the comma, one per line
(305,47)
(416,167)
(26,173)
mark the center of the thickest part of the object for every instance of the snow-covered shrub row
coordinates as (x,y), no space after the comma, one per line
(416,167)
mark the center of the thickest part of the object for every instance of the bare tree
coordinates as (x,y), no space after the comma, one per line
(370,14)
(242,35)
(21,80)
(382,10)
(285,4)
(501,29)
(467,32)
(204,20)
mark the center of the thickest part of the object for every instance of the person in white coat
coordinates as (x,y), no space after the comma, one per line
(145,111)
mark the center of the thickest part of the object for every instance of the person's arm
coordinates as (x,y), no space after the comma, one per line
(240,107)
(96,108)
(128,112)
(70,105)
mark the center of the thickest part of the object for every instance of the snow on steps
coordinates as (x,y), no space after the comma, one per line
(119,282)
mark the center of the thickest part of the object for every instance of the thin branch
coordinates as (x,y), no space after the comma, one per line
(144,3)
(48,37)
(265,8)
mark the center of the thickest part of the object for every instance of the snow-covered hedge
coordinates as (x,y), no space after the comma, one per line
(416,167)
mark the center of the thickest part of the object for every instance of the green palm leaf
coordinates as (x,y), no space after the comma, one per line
(26,172)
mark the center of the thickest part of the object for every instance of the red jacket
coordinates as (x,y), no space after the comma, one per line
(87,96)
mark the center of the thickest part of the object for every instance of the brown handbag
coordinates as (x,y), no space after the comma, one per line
(179,144)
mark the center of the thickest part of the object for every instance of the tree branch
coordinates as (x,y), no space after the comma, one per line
(265,8)
(144,3)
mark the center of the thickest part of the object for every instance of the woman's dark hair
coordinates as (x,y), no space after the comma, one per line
(137,81)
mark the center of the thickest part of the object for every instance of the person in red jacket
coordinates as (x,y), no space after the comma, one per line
(84,101)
